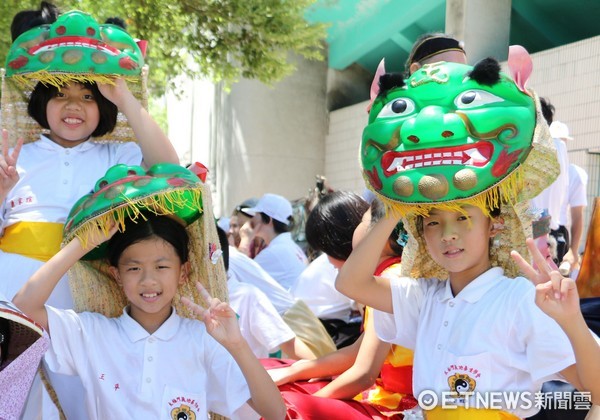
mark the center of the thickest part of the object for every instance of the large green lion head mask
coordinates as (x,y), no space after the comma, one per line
(449,132)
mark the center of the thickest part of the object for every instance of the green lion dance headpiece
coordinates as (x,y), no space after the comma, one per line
(454,135)
(126,194)
(74,48)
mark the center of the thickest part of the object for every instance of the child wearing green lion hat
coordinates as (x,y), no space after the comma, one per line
(174,349)
(457,151)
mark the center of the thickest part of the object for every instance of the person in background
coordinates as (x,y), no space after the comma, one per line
(572,214)
(329,229)
(282,258)
(432,47)
(238,218)
(296,314)
(260,323)
(553,199)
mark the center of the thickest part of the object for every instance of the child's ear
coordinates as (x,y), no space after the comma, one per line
(185,272)
(414,67)
(114,271)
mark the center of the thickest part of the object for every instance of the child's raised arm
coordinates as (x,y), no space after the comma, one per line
(155,145)
(355,278)
(32,297)
(557,297)
(221,323)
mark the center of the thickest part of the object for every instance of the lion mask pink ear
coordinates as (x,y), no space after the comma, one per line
(375,82)
(520,66)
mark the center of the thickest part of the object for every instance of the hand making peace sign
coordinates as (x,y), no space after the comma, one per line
(8,165)
(555,295)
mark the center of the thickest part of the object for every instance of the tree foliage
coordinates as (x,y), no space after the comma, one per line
(219,39)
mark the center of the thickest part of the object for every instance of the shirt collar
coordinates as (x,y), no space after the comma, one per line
(282,237)
(136,332)
(48,144)
(476,289)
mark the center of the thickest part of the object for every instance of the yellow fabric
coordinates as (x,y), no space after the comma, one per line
(39,240)
(398,356)
(461,413)
(308,328)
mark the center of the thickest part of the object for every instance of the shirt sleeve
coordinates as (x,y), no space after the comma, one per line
(400,327)
(128,153)
(66,341)
(267,325)
(229,389)
(548,350)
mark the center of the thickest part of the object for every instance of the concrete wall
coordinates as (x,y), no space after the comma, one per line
(567,76)
(269,139)
(253,138)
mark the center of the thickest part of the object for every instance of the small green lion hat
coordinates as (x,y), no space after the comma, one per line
(75,48)
(126,192)
(453,134)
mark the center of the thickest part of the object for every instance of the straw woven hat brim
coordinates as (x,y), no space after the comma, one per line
(23,331)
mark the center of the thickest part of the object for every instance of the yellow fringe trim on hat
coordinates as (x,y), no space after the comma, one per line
(505,191)
(61,79)
(162,204)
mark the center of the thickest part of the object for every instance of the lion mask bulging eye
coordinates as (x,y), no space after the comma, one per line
(475,98)
(396,108)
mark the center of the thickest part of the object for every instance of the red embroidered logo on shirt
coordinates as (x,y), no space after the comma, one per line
(193,404)
(20,201)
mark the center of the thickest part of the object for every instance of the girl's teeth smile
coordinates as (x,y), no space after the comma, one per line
(452,252)
(73,120)
(149,295)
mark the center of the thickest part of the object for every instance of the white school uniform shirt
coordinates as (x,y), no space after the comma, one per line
(131,374)
(491,333)
(246,270)
(283,259)
(260,323)
(316,287)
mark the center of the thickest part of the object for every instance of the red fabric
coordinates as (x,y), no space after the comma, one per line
(308,407)
(396,379)
(385,264)
(302,405)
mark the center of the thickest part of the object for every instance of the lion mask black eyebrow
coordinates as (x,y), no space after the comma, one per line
(389,81)
(486,72)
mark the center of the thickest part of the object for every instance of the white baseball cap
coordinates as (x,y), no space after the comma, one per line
(560,130)
(274,206)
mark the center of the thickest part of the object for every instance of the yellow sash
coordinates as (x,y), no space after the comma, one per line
(461,413)
(38,240)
